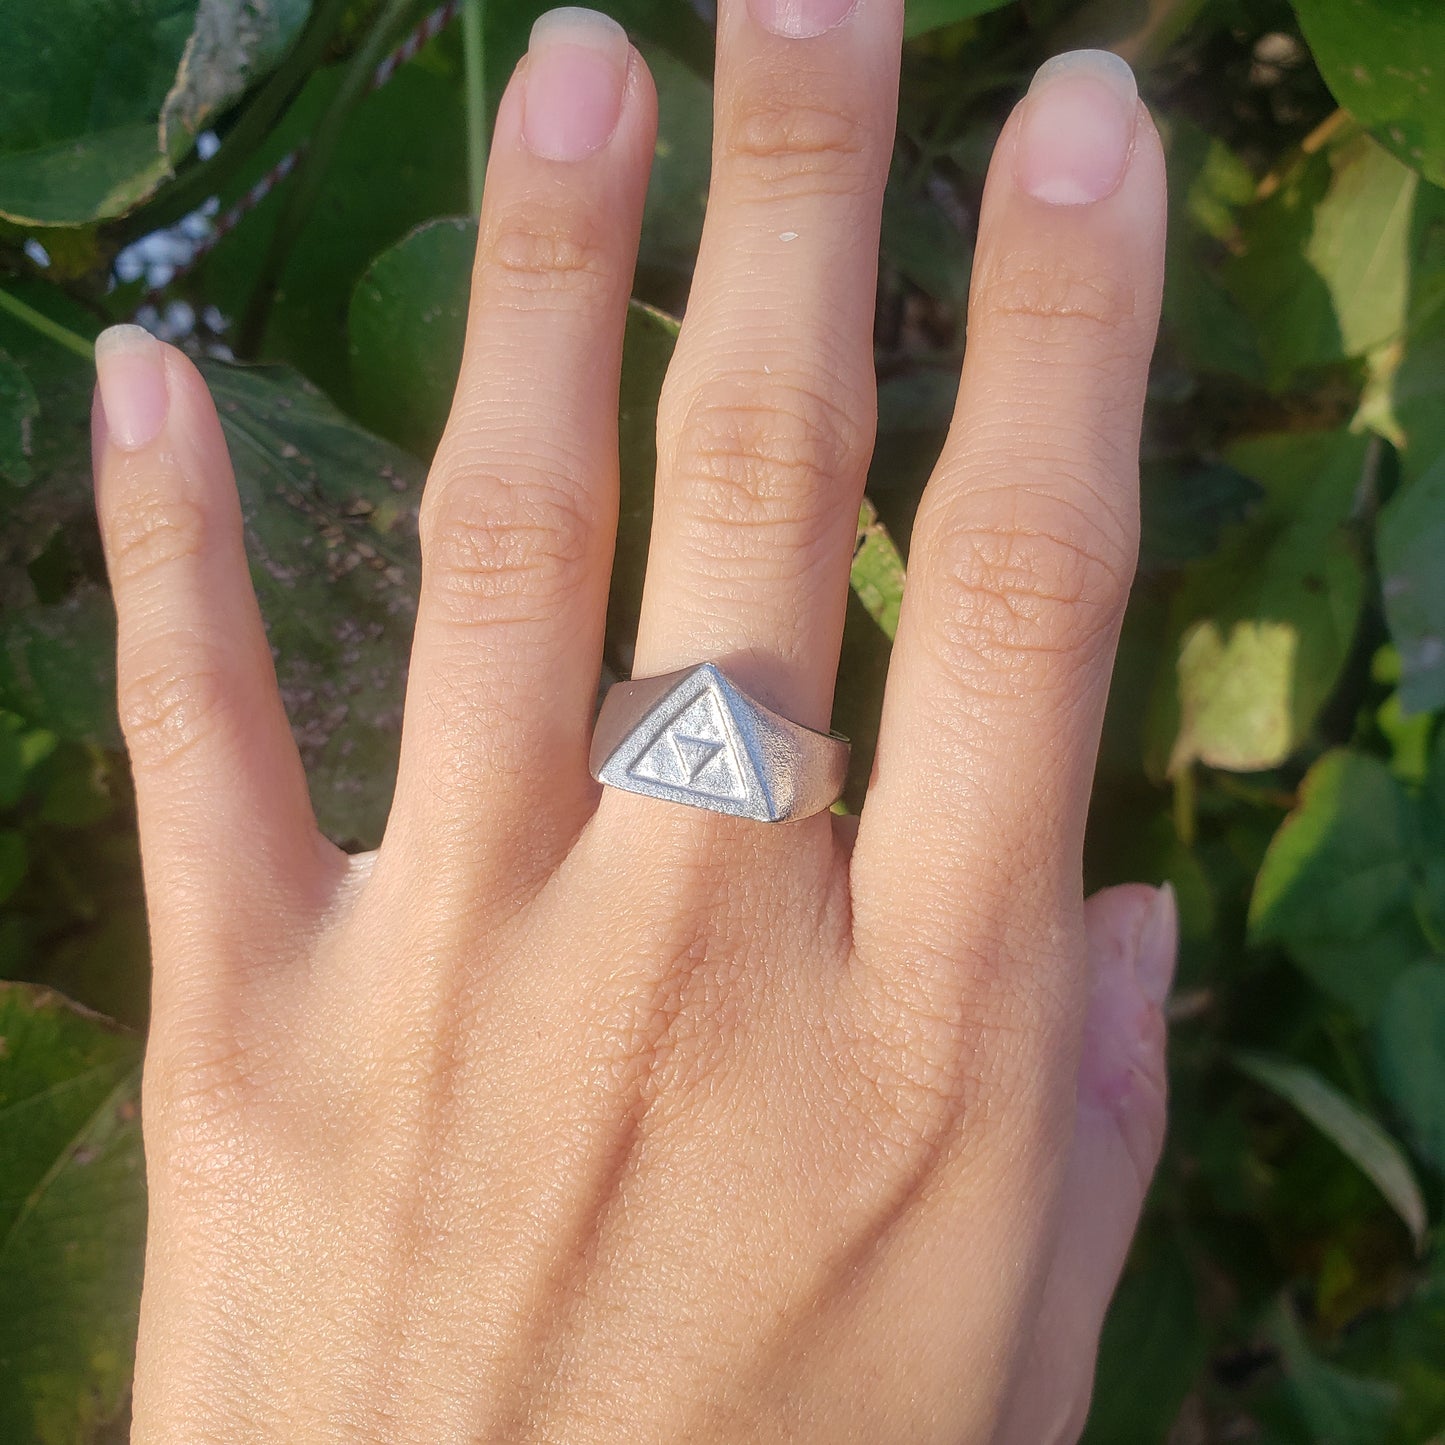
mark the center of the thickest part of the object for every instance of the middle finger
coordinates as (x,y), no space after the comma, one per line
(767,416)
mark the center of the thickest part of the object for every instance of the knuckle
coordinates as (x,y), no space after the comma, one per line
(793,144)
(169,698)
(756,464)
(1039,295)
(1042,585)
(147,532)
(504,550)
(535,253)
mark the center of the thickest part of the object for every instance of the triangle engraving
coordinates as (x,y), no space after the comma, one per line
(693,752)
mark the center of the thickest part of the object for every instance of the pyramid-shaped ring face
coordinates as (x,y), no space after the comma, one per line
(693,750)
(690,746)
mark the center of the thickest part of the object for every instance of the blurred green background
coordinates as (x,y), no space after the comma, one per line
(271,181)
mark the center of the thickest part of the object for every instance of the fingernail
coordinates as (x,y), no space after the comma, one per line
(1077,129)
(1158,946)
(576,73)
(800,19)
(130,369)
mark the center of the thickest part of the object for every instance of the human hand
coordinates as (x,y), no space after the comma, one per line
(579,1116)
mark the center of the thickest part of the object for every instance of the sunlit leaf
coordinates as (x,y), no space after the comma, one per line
(1324,269)
(1265,624)
(1382,60)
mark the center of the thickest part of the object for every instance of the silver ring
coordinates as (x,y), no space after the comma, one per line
(696,737)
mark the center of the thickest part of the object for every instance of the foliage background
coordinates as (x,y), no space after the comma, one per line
(1273,744)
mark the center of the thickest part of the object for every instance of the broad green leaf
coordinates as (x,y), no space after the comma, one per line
(1335,886)
(1410,1052)
(18,409)
(921,16)
(84,85)
(1382,60)
(72,1217)
(1410,544)
(330,520)
(1324,270)
(1336,1407)
(407,324)
(1151,1349)
(410,132)
(1264,625)
(329,513)
(1359,1137)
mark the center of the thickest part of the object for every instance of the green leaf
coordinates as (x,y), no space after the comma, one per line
(1337,1408)
(1353,1131)
(877,572)
(1264,626)
(18,409)
(330,513)
(1152,1347)
(1381,59)
(330,520)
(1324,272)
(396,132)
(1410,1050)
(84,85)
(921,16)
(407,325)
(1335,885)
(72,1217)
(1410,543)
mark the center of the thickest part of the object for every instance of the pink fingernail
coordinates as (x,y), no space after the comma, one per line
(1158,947)
(1077,129)
(130,369)
(576,75)
(1133,968)
(800,19)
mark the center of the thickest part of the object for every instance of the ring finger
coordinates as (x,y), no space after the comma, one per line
(767,416)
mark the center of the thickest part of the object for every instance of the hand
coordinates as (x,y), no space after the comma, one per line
(579,1116)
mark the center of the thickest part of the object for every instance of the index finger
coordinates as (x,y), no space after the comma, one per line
(1025,543)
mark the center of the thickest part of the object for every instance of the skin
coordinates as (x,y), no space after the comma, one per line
(571,1115)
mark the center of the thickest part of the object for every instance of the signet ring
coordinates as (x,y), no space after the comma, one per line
(696,737)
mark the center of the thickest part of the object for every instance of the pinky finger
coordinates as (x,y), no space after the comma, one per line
(1118,1133)
(227,831)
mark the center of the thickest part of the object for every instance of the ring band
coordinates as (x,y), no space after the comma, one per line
(696,737)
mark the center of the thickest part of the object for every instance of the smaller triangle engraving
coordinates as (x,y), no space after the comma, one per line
(693,752)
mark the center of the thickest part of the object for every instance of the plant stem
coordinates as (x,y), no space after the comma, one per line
(310,175)
(473,21)
(52,330)
(252,127)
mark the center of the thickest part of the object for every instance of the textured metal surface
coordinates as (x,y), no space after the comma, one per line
(695,737)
